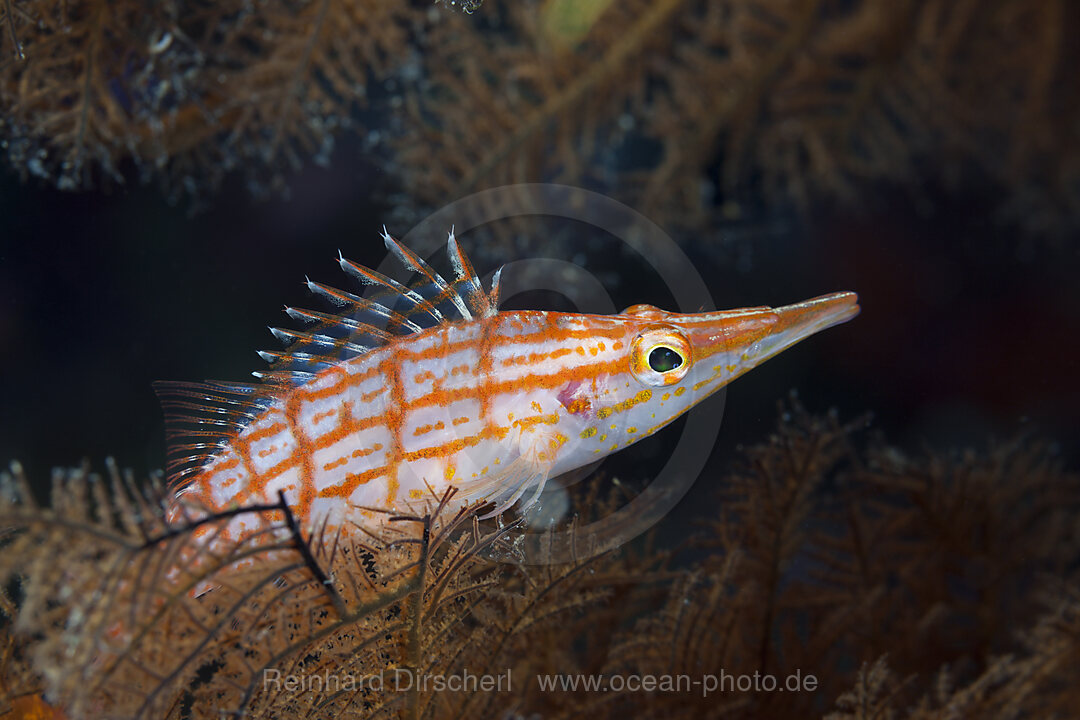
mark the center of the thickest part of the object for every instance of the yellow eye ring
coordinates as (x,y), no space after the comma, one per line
(660,356)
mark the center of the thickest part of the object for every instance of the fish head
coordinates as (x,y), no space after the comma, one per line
(672,361)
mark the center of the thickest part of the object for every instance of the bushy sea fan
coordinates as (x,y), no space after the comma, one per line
(918,587)
(692,111)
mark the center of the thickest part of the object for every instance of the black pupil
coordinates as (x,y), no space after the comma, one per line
(664,359)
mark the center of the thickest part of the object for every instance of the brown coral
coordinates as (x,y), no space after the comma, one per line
(690,111)
(676,106)
(188,91)
(949,580)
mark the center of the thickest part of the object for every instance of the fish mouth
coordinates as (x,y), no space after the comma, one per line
(801,320)
(743,339)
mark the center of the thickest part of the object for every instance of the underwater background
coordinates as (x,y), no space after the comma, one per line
(171,174)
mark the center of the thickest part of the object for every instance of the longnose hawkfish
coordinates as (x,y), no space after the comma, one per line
(411,390)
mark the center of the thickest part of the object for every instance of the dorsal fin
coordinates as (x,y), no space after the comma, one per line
(387,309)
(200,417)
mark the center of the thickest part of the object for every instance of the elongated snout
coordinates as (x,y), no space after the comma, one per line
(801,320)
(733,342)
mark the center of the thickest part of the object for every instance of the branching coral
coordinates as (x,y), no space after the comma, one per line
(688,110)
(73,92)
(1036,684)
(143,619)
(187,90)
(670,104)
(899,587)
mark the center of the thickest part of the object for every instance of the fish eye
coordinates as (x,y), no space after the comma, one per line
(660,355)
(663,359)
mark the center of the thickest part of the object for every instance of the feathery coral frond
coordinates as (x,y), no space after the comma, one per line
(689,110)
(949,579)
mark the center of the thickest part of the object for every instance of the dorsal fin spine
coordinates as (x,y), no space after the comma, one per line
(370,277)
(494,294)
(284,377)
(290,336)
(272,356)
(465,274)
(311,316)
(413,261)
(342,297)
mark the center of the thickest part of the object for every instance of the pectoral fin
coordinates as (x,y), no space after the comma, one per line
(512,483)
(530,469)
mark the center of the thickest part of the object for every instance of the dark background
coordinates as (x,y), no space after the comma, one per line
(968,331)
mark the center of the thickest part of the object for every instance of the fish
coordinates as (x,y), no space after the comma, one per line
(406,392)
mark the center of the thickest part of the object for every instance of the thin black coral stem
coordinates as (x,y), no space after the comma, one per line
(302,547)
(186,528)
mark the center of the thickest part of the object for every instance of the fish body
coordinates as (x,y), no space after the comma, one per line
(490,403)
